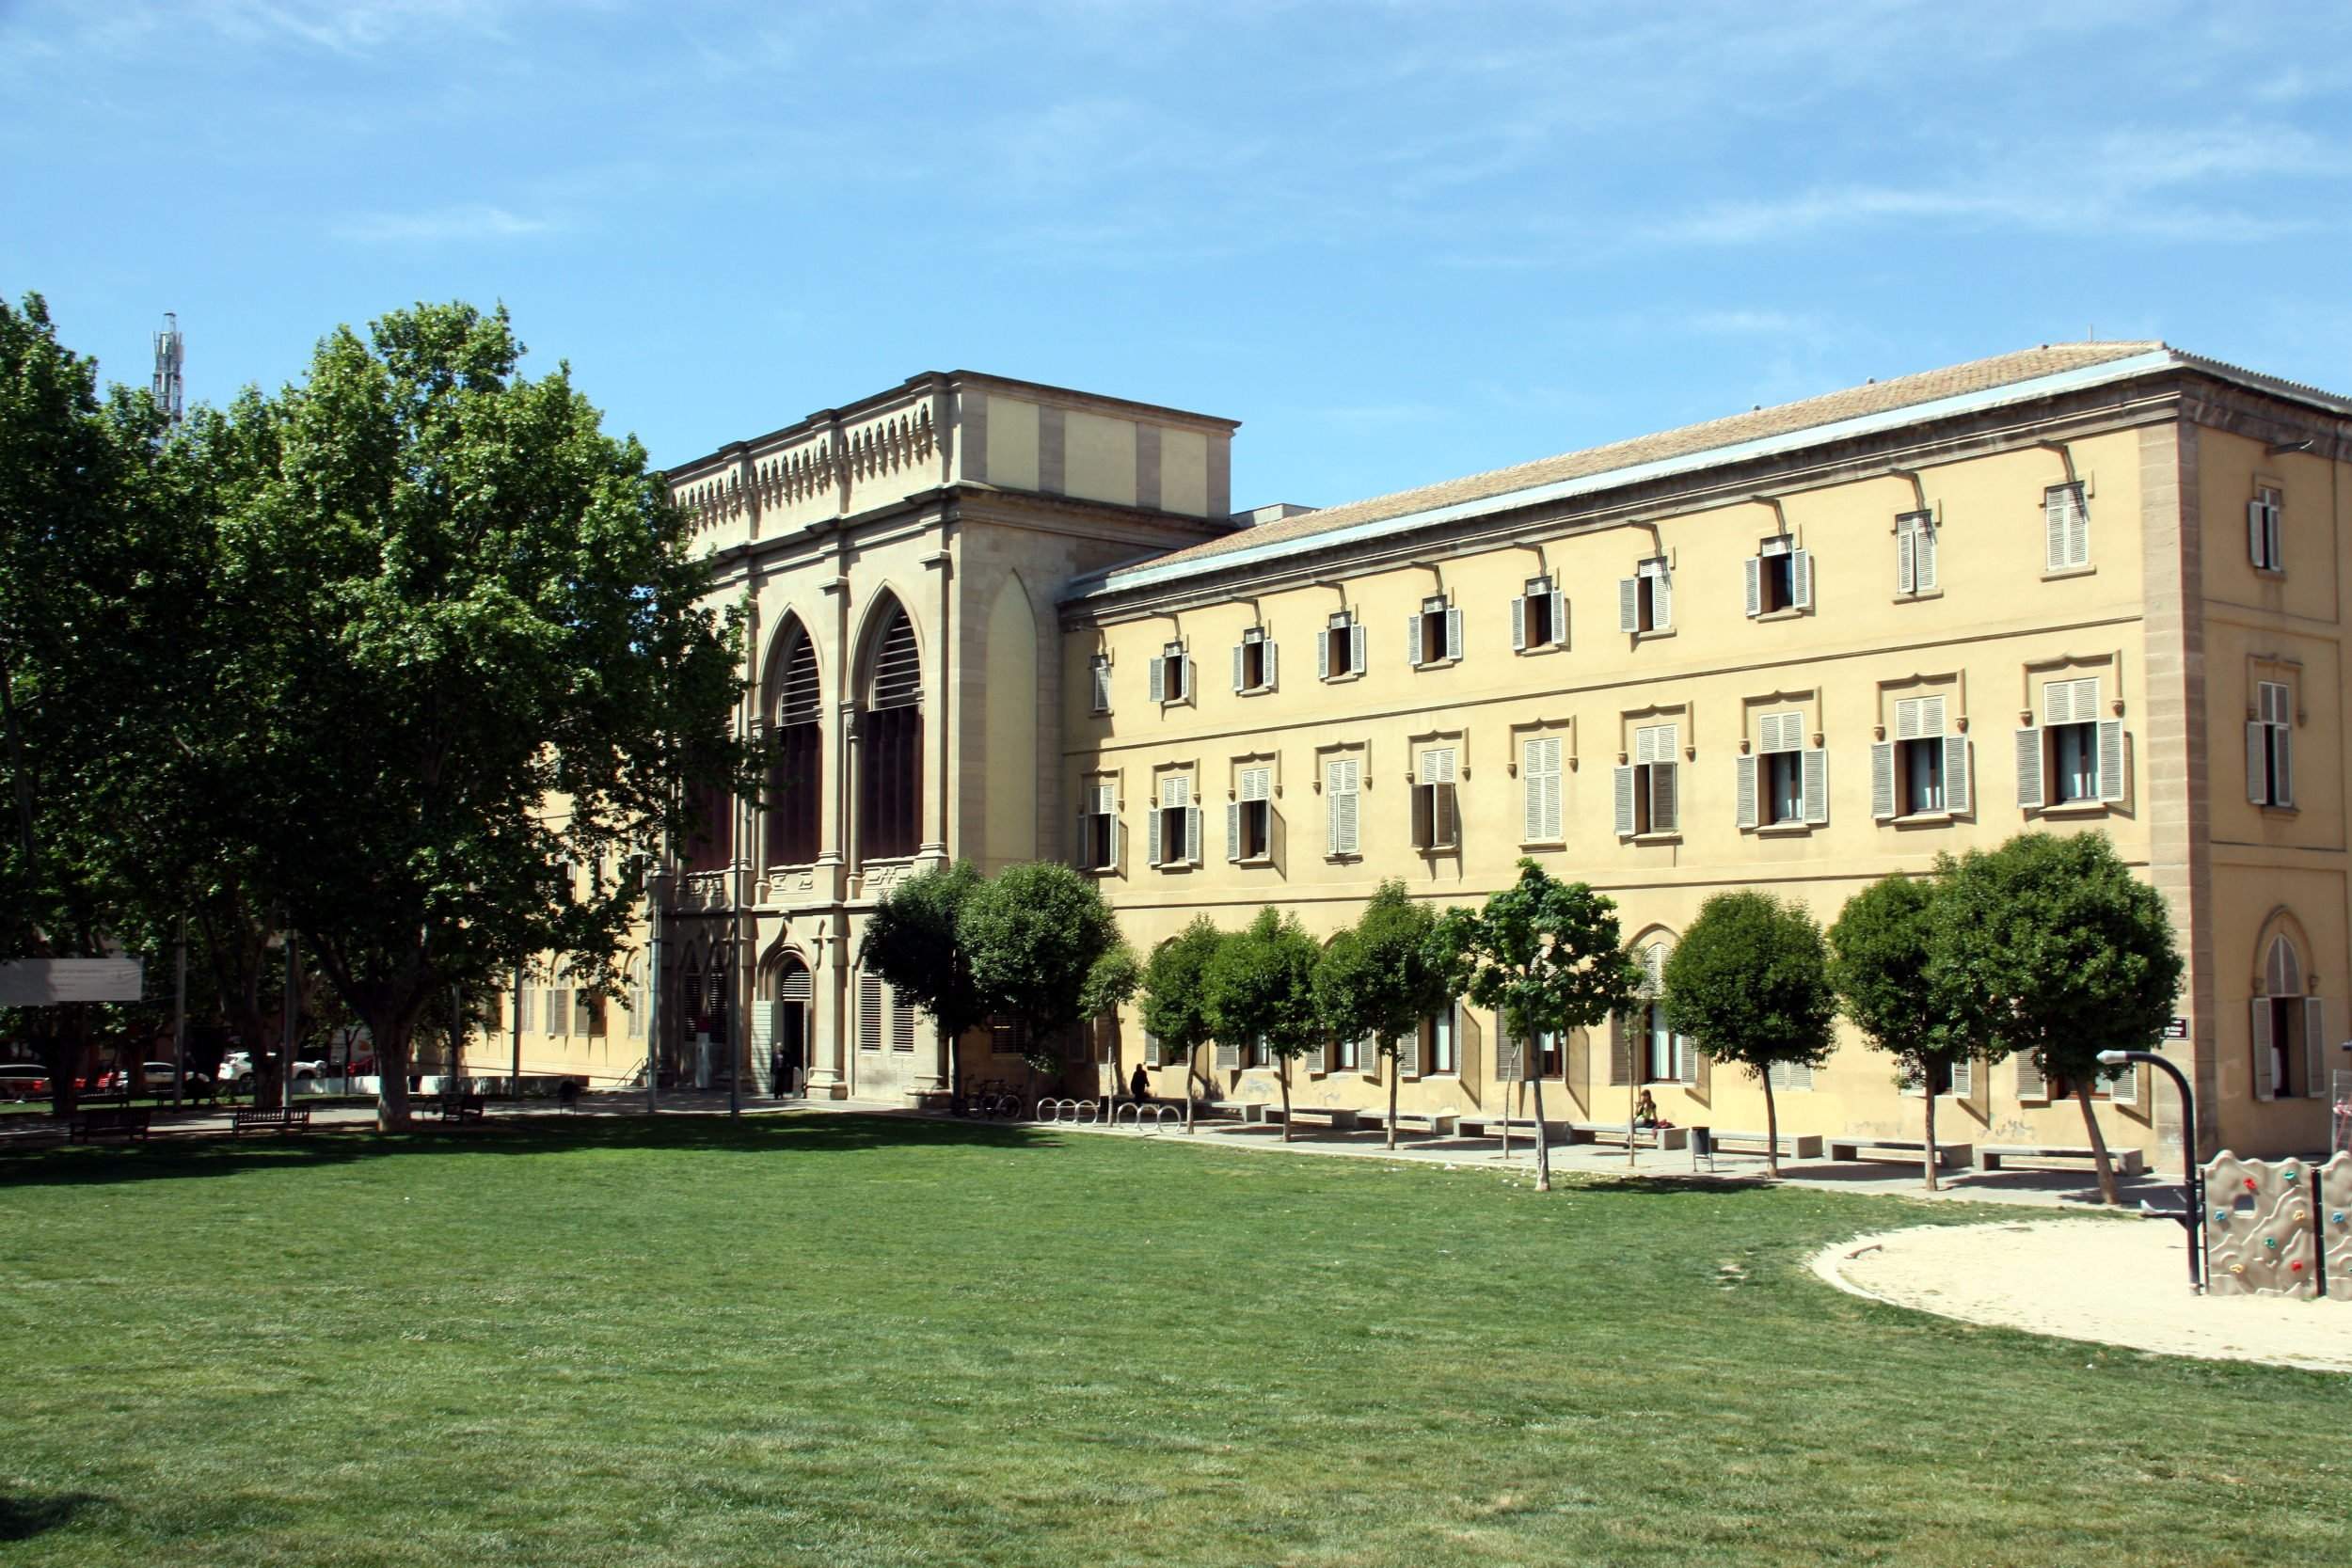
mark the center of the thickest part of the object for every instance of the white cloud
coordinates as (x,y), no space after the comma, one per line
(470,222)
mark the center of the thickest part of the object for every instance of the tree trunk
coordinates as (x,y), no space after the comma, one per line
(1506,1119)
(1192,1062)
(2108,1194)
(1394,1076)
(392,1068)
(1632,1114)
(1772,1128)
(1543,1144)
(1282,1076)
(1927,1081)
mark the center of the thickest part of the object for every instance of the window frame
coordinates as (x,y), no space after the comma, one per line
(2270,746)
(1916,572)
(2266,530)
(1255,645)
(1436,637)
(2066,528)
(1539,596)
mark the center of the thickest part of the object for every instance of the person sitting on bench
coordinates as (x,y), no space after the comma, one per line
(1646,1111)
(1140,1087)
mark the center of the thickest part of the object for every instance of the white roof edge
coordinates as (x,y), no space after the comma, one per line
(1117,580)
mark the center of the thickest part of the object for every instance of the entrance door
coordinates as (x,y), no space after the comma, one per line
(784,1060)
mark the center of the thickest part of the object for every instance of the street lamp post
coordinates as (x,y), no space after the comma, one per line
(2192,1215)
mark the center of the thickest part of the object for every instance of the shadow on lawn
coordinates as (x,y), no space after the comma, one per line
(21,1518)
(176,1158)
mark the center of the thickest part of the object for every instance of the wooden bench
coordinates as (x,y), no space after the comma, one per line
(1342,1118)
(1793,1146)
(1438,1124)
(459,1107)
(2129,1161)
(99,1120)
(260,1119)
(1899,1151)
(1617,1132)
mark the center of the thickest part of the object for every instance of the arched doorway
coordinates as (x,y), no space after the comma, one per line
(785,1026)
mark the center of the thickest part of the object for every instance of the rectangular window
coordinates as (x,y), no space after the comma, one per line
(1099,677)
(1786,781)
(870,1025)
(1250,818)
(2270,746)
(1347,1055)
(1780,577)
(1435,825)
(1253,661)
(1171,675)
(1340,651)
(2264,515)
(1539,617)
(1434,635)
(1176,826)
(1645,599)
(1539,770)
(1923,770)
(559,1010)
(2069,714)
(1098,828)
(527,1008)
(2066,526)
(1915,553)
(1662,1049)
(1341,776)
(1646,788)
(1437,1044)
(588,1014)
(1552,1055)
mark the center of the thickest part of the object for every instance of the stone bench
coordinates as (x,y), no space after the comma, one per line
(1899,1151)
(1342,1118)
(1519,1127)
(2127,1161)
(1438,1124)
(1619,1133)
(1793,1146)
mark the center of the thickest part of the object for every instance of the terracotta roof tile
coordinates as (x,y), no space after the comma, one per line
(1854,403)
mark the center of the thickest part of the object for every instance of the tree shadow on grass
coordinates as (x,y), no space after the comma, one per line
(21,1518)
(176,1158)
(1655,1186)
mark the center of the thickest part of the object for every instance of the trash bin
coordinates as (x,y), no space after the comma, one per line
(1701,1147)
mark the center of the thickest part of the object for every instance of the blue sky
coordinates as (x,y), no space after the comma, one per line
(1399,242)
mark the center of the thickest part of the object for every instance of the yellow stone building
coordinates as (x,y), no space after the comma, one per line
(2089,587)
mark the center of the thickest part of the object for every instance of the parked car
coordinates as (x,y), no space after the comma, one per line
(24,1080)
(237,1067)
(157,1077)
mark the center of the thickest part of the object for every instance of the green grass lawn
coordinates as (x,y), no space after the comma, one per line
(851,1341)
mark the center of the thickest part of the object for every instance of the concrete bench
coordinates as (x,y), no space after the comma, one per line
(1342,1118)
(1899,1151)
(1793,1146)
(1619,1133)
(1436,1123)
(2129,1161)
(1519,1127)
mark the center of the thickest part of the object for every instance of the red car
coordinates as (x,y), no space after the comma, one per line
(24,1080)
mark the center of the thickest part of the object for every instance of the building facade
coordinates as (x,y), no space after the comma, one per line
(2083,588)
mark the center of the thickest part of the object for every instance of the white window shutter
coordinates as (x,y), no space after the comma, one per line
(1518,626)
(2286,763)
(2029,766)
(1629,604)
(1744,790)
(1554,789)
(1453,634)
(2112,776)
(1661,797)
(1963,1077)
(1408,1053)
(2315,1048)
(2258,763)
(1442,821)
(2257,532)
(2077,526)
(1625,803)
(1238,651)
(1906,557)
(2054,527)
(2032,1088)
(1755,570)
(1923,557)
(1558,619)
(1155,835)
(1355,643)
(1323,656)
(1233,829)
(2123,1088)
(1190,674)
(1882,779)
(1102,687)
(1956,774)
(1662,598)
(1814,767)
(1800,579)
(1082,846)
(1412,640)
(1192,834)
(1159,680)
(1331,813)
(2263,1086)
(1686,1060)
(1269,669)
(1531,777)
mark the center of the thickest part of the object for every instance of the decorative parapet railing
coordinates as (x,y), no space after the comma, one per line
(817,469)
(703,890)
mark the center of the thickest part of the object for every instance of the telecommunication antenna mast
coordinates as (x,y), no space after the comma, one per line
(169,394)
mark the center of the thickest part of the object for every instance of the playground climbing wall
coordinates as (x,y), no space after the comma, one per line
(2278,1227)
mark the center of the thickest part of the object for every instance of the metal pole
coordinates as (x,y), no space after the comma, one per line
(2192,1178)
(657,888)
(286,1030)
(514,1086)
(180,1019)
(737,1010)
(457,1041)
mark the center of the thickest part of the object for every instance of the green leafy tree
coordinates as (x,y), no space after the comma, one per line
(1260,985)
(1174,1011)
(2050,947)
(1378,978)
(913,941)
(1749,983)
(1545,954)
(1879,968)
(1111,984)
(1035,933)
(482,675)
